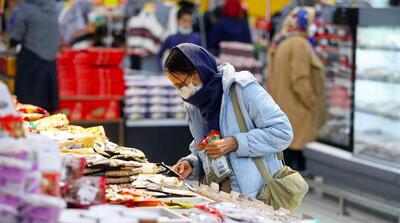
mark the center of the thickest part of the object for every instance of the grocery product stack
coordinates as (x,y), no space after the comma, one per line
(241,56)
(29,186)
(152,97)
(8,69)
(100,178)
(91,83)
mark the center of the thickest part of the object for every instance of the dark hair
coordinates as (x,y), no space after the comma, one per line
(184,11)
(177,62)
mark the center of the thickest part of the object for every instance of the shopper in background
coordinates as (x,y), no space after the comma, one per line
(35,28)
(206,90)
(185,34)
(75,29)
(233,26)
(296,82)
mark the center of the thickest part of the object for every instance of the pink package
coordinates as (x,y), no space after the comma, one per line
(10,198)
(15,148)
(32,182)
(13,173)
(42,209)
(8,214)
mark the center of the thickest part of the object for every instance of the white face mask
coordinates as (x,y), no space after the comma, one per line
(184,31)
(188,91)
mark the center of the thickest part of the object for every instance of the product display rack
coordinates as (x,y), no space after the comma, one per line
(377,87)
(372,153)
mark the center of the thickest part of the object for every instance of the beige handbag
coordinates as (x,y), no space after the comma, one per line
(287,188)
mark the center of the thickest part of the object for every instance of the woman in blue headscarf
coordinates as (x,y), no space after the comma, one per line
(205,88)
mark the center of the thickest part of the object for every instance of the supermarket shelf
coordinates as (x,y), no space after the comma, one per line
(156,123)
(365,78)
(90,98)
(381,48)
(383,115)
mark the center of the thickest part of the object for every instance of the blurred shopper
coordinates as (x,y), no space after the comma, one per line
(233,26)
(185,34)
(296,82)
(75,29)
(35,28)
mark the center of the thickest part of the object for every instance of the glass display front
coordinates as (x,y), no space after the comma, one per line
(334,48)
(377,94)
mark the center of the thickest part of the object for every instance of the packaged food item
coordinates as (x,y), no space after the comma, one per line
(15,148)
(10,198)
(53,121)
(216,170)
(40,208)
(85,191)
(46,150)
(31,109)
(113,151)
(11,125)
(30,117)
(73,168)
(13,173)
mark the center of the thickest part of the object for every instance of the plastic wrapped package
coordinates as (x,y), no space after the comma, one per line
(85,191)
(15,148)
(11,126)
(73,168)
(8,214)
(40,208)
(10,198)
(13,173)
(45,150)
(216,170)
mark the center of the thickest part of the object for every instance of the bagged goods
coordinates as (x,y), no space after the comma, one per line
(216,170)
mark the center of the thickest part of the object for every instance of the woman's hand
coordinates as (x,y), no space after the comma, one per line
(183,168)
(221,147)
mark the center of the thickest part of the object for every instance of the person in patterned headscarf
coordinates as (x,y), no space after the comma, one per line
(296,81)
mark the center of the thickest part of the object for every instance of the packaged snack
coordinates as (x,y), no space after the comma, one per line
(216,170)
(33,182)
(84,192)
(53,121)
(30,117)
(73,168)
(40,208)
(10,198)
(15,148)
(13,173)
(47,150)
(31,109)
(11,125)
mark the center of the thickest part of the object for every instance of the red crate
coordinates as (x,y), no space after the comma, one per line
(106,56)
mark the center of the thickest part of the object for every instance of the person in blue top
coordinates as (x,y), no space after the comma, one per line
(232,26)
(205,89)
(185,34)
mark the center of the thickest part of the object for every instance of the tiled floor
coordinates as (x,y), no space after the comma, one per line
(326,211)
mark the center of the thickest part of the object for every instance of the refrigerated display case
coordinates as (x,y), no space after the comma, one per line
(377,86)
(334,44)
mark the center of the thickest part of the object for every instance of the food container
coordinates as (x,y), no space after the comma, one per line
(10,198)
(13,173)
(42,208)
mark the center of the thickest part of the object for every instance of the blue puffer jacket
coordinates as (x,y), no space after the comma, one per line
(270,130)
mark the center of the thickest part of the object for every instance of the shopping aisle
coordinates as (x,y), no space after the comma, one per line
(326,211)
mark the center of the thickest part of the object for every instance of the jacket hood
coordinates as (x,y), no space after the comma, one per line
(229,75)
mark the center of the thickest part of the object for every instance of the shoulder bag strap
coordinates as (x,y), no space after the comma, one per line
(243,128)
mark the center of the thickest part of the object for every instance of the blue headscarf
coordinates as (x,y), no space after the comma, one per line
(208,98)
